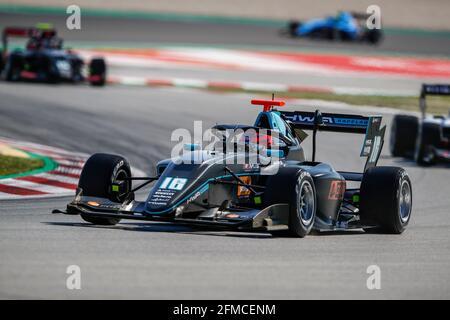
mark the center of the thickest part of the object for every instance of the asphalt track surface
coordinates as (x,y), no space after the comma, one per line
(151,32)
(152,260)
(163,261)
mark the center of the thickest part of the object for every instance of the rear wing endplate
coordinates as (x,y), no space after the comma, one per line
(335,122)
(24,32)
(432,89)
(14,32)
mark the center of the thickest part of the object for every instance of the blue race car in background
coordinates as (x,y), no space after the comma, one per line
(345,26)
(45,60)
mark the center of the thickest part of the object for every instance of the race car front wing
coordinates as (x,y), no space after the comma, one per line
(271,218)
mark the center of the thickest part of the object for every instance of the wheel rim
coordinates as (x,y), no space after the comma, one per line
(306,203)
(405,200)
(121,174)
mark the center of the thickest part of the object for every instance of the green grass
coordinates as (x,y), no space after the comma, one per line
(435,105)
(12,165)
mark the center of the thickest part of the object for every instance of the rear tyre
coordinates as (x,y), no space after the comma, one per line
(293,28)
(374,36)
(295,187)
(97,72)
(386,199)
(429,137)
(404,130)
(97,177)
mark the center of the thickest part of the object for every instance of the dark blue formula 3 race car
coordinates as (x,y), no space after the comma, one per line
(45,60)
(425,139)
(345,26)
(282,192)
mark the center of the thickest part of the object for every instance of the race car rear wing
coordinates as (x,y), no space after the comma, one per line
(24,32)
(330,121)
(347,123)
(432,89)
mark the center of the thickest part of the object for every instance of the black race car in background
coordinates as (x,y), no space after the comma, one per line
(425,139)
(45,60)
(253,185)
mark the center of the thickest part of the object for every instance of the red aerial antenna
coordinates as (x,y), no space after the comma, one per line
(268,104)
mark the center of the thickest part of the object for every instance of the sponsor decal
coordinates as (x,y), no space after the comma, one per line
(195,196)
(337,189)
(330,120)
(306,119)
(403,175)
(351,122)
(161,197)
(251,167)
(232,216)
(303,174)
(117,167)
(257,200)
(375,150)
(173,183)
(243,191)
(166,191)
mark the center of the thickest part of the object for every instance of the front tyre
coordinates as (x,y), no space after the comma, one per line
(402,142)
(374,36)
(386,199)
(97,72)
(99,174)
(303,207)
(295,187)
(293,28)
(428,138)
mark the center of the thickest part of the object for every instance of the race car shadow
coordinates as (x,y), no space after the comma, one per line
(200,231)
(339,233)
(165,228)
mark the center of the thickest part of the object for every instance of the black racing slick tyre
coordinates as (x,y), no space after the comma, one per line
(97,72)
(386,199)
(295,187)
(293,27)
(429,137)
(374,36)
(403,135)
(97,177)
